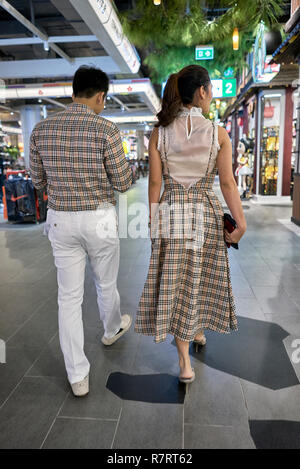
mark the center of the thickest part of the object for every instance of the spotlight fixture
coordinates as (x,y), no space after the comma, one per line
(46,46)
(157,2)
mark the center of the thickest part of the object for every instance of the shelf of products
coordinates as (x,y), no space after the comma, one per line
(294,154)
(269,149)
(129,141)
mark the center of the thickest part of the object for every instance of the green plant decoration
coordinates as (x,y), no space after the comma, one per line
(169,33)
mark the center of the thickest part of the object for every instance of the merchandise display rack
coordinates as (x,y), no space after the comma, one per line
(269,160)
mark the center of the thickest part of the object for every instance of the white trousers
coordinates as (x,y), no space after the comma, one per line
(74,236)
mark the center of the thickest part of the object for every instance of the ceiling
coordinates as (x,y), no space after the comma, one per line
(55,19)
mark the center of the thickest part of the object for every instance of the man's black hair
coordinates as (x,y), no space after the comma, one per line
(88,81)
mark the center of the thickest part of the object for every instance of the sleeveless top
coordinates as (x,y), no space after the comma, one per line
(189,152)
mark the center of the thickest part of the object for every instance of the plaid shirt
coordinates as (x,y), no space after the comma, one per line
(79,156)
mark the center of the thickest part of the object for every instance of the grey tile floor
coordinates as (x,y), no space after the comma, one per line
(247,391)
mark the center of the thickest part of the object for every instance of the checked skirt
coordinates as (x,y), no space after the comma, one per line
(188,286)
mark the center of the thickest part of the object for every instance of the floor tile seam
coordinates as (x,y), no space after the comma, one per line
(54,420)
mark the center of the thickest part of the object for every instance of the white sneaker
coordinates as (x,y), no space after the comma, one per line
(125,325)
(81,388)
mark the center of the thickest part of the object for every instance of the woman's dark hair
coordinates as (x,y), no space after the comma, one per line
(88,81)
(179,90)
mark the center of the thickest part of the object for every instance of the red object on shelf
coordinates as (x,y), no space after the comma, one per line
(14,172)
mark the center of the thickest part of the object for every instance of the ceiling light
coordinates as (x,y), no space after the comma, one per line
(235,39)
(157,2)
(46,46)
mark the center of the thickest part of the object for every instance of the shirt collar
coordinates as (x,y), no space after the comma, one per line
(79,107)
(194,111)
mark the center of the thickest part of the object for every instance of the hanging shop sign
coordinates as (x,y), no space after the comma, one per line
(262,71)
(103,20)
(259,54)
(204,52)
(224,88)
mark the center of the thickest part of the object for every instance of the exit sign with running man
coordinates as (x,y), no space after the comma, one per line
(204,52)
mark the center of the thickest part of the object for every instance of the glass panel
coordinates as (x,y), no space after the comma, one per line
(269,146)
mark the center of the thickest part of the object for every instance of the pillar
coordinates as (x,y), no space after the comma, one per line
(140,144)
(30,116)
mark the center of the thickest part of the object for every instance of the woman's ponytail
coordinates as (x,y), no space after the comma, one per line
(171,102)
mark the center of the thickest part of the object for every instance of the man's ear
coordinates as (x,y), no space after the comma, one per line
(101,97)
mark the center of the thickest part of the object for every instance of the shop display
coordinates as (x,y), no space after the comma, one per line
(245,167)
(294,154)
(22,202)
(269,160)
(2,160)
(129,141)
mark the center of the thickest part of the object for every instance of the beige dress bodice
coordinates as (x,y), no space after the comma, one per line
(188,149)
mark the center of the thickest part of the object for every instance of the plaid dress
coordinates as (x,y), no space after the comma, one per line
(188,286)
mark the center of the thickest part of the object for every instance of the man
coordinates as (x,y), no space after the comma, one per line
(79,156)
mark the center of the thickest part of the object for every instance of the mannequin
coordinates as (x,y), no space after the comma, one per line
(243,170)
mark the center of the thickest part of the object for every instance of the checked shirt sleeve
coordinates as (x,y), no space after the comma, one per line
(116,165)
(37,172)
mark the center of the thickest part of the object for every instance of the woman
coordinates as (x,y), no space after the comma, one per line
(188,287)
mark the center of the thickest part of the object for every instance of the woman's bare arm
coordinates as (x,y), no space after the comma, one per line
(155,171)
(229,188)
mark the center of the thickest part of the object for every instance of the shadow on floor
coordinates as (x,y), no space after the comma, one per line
(255,352)
(155,388)
(275,434)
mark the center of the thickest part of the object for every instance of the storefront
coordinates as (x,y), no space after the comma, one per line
(264,115)
(274,139)
(289,53)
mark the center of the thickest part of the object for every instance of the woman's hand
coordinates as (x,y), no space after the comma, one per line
(235,236)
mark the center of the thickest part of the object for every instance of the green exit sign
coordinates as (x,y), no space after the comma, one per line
(204,52)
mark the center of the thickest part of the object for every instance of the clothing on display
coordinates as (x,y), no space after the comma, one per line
(22,201)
